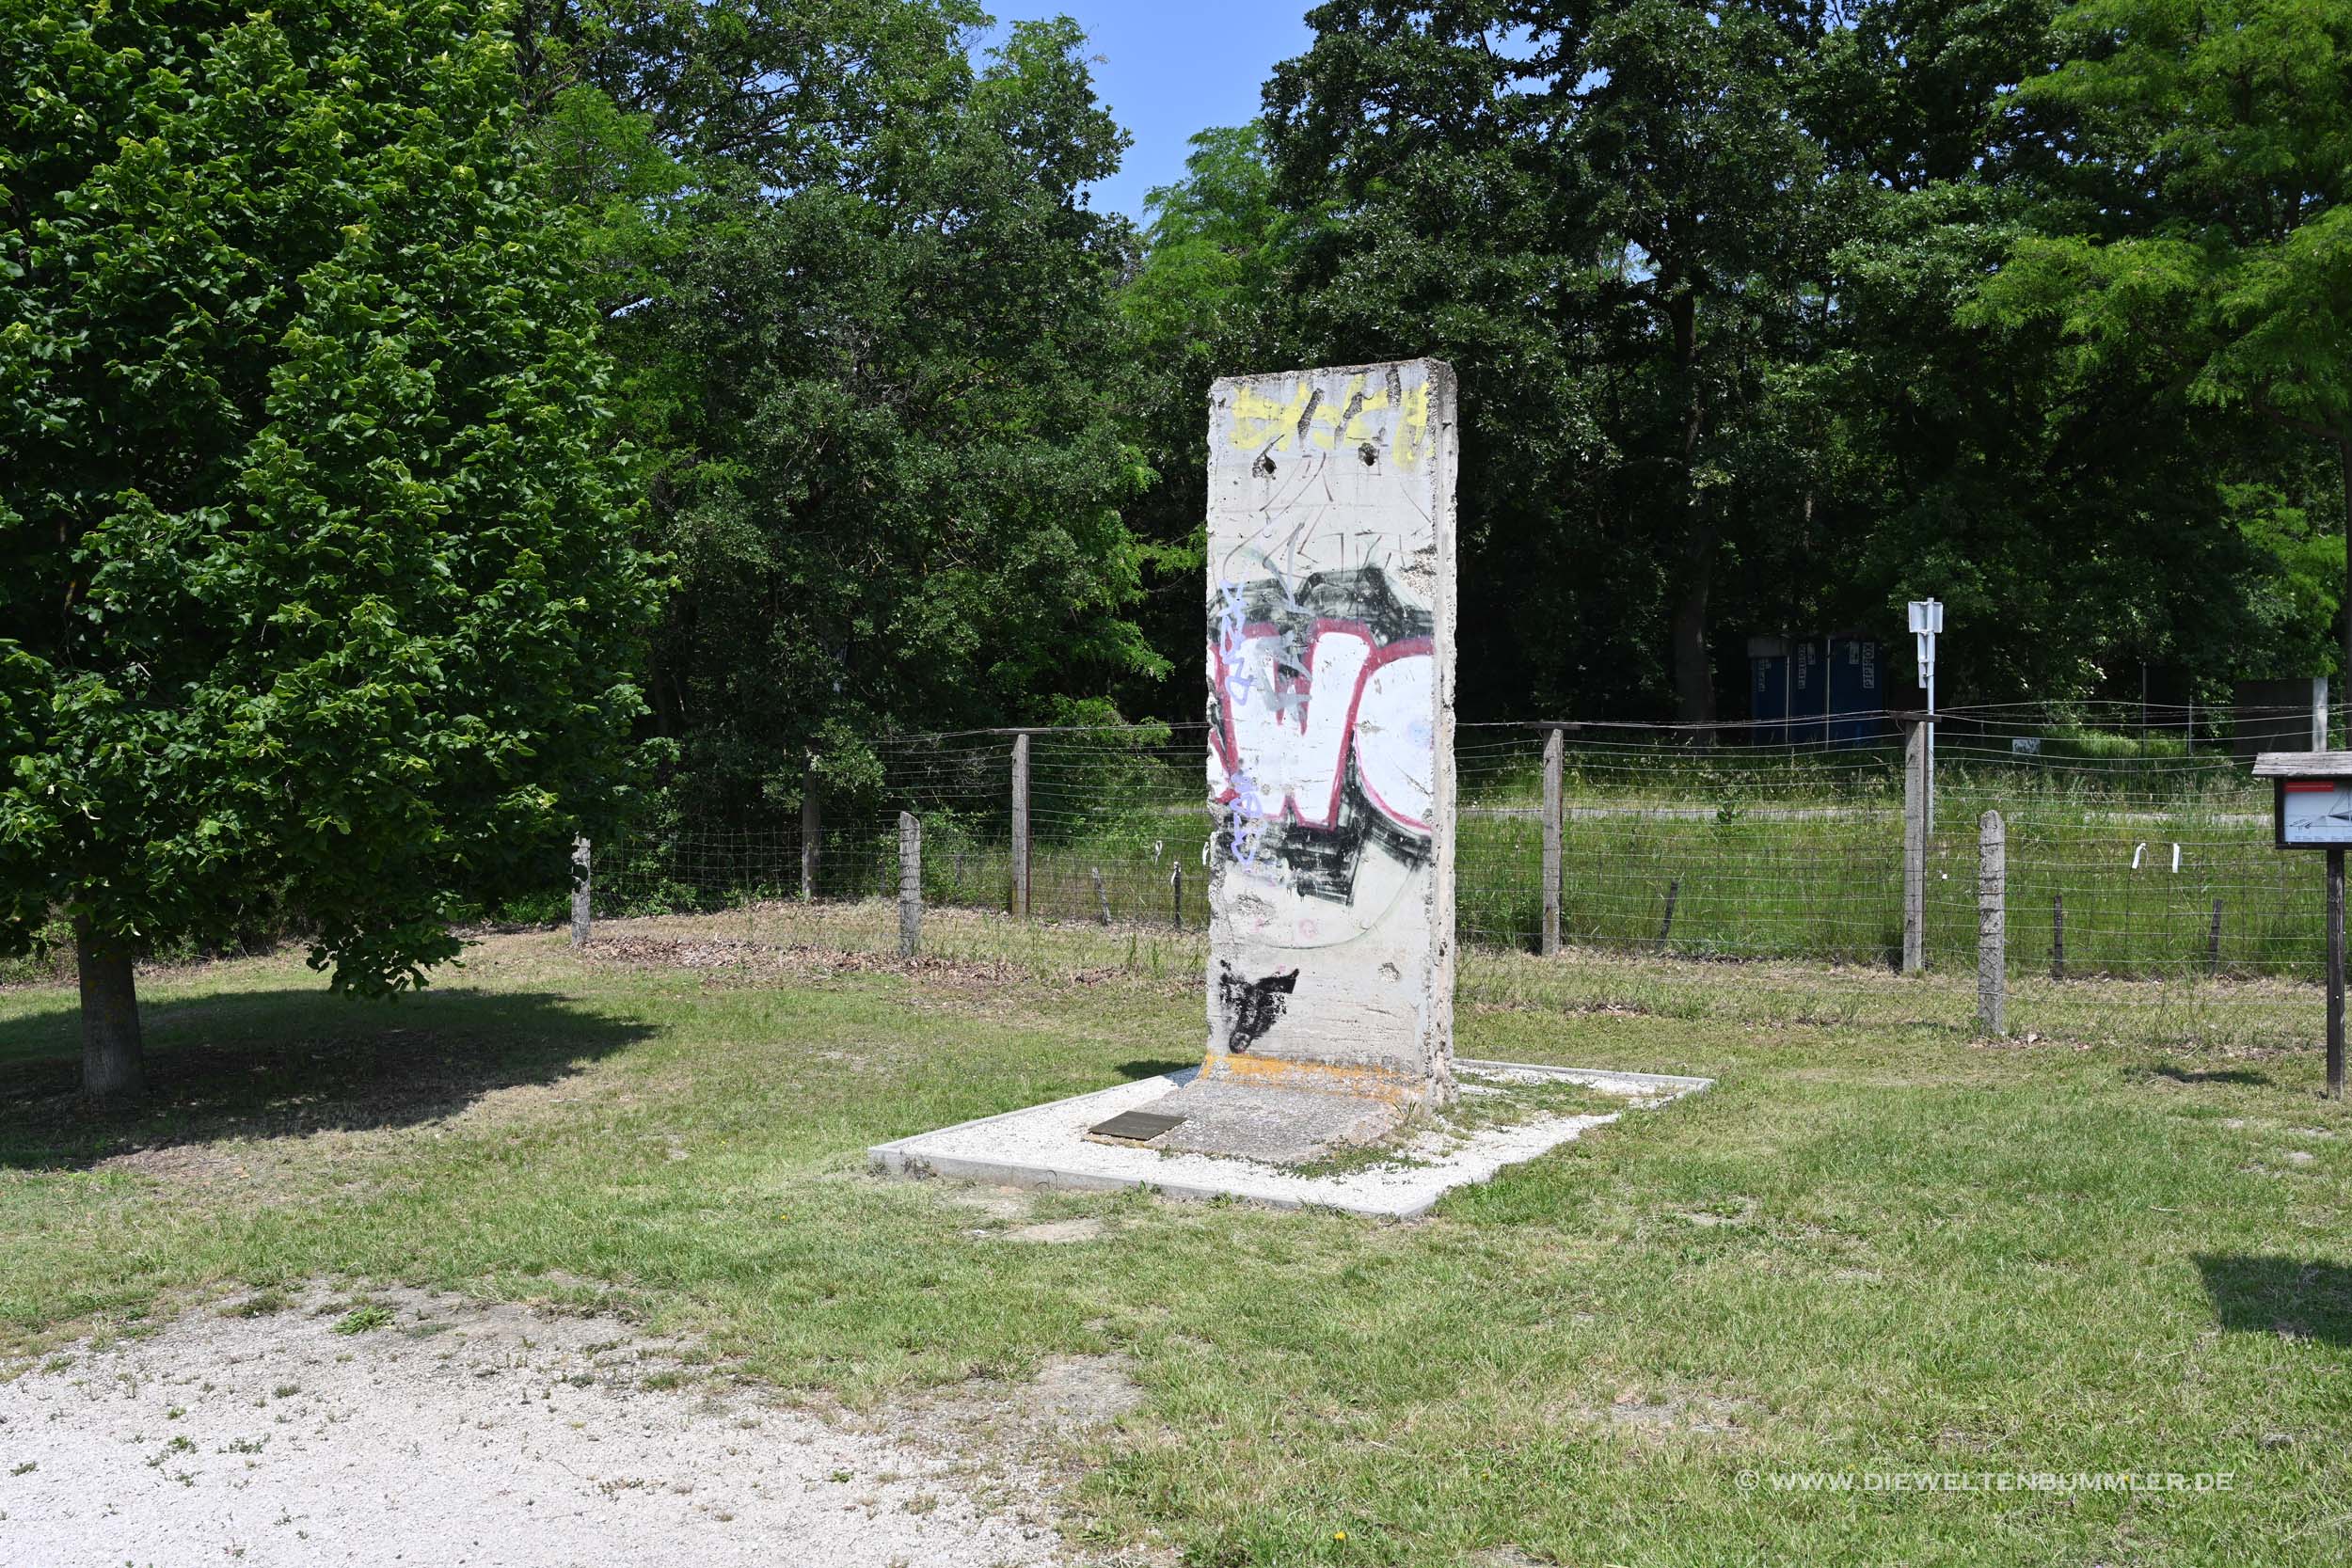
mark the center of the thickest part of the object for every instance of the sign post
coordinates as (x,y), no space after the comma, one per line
(1926,624)
(2311,809)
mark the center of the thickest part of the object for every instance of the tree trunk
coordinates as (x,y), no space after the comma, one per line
(1694,674)
(1694,677)
(111,1064)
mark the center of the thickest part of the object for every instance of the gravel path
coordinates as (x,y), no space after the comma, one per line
(492,1438)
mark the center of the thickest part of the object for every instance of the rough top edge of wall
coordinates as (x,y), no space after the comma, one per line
(1434,364)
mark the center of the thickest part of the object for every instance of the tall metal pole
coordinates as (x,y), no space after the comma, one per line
(2335,973)
(1788,691)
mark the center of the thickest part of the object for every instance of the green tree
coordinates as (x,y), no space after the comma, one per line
(1604,215)
(1207,300)
(868,322)
(2200,245)
(314,546)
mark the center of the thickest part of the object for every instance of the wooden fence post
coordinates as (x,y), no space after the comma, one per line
(1021,826)
(1553,749)
(1991,922)
(579,893)
(2058,936)
(1916,848)
(2335,972)
(909,885)
(812,831)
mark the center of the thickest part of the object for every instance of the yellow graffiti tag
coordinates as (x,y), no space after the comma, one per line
(1413,427)
(1261,422)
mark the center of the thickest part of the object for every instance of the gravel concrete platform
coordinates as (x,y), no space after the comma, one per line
(1046,1146)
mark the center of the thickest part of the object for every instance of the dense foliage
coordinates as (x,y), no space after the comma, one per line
(1716,279)
(324,554)
(315,550)
(871,323)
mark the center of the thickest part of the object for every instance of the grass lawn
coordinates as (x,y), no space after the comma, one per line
(1876,1247)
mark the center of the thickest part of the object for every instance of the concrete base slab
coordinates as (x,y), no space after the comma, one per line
(1279,1127)
(1046,1145)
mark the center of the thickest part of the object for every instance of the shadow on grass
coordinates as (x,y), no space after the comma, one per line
(2279,1295)
(2212,1075)
(288,1063)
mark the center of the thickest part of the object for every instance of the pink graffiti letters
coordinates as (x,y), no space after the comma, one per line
(1317,712)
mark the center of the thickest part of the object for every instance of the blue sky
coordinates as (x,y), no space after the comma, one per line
(1169,67)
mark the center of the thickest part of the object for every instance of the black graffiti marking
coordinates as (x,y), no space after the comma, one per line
(1251,1005)
(1361,594)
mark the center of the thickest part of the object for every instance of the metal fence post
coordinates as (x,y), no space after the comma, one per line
(1021,826)
(1916,847)
(579,893)
(1991,922)
(909,885)
(1553,749)
(812,831)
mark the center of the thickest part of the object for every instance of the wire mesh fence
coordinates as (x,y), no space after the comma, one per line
(2141,874)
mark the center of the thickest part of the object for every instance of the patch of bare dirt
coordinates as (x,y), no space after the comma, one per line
(1072,1396)
(1661,1416)
(408,1426)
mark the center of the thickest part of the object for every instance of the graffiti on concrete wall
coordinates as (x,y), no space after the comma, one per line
(1324,584)
(1319,741)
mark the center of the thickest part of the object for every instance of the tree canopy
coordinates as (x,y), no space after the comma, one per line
(1716,279)
(872,325)
(315,545)
(359,361)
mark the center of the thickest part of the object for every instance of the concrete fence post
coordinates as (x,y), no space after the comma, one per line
(909,885)
(1916,848)
(1021,826)
(812,831)
(1554,746)
(579,893)
(1991,922)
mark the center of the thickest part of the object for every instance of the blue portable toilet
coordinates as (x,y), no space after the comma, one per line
(1855,688)
(1815,690)
(1768,690)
